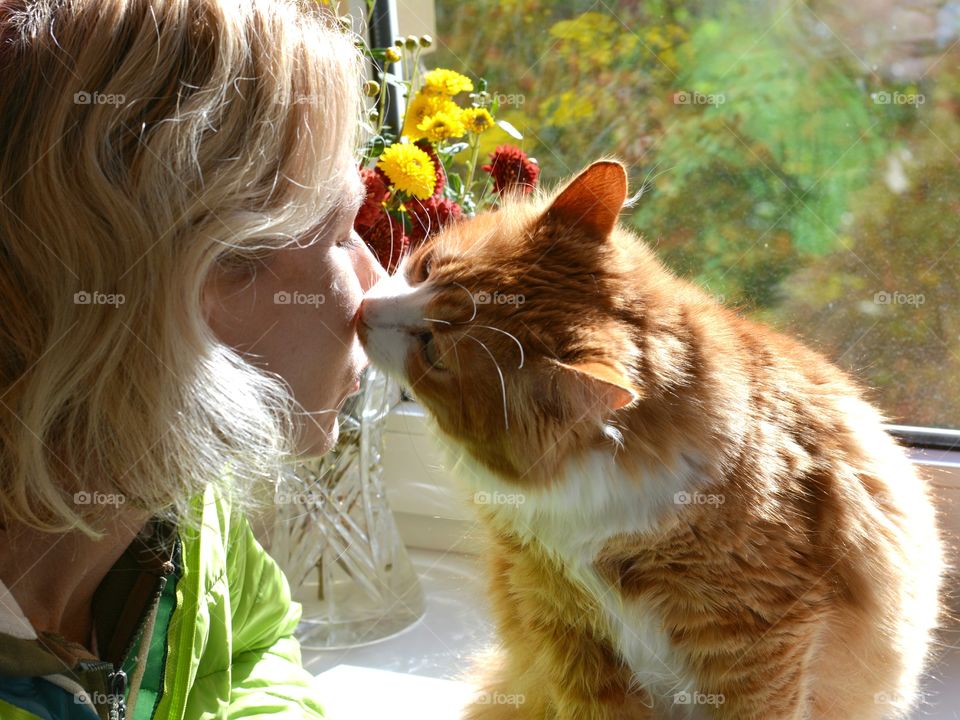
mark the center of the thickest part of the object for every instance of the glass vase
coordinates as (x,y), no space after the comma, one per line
(335,537)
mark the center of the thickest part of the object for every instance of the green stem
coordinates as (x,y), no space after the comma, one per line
(382,102)
(415,75)
(472,166)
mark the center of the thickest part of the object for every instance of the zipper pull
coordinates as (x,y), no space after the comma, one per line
(116,686)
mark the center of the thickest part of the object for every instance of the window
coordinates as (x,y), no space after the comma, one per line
(801,161)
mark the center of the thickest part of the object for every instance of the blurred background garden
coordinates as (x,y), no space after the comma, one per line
(801,160)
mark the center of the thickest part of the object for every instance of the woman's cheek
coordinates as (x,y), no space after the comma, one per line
(345,288)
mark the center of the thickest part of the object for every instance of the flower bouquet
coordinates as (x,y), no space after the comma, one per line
(424,175)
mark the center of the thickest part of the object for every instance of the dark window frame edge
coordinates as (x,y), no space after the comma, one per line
(926,438)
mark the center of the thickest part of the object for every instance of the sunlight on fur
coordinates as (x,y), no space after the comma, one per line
(691,516)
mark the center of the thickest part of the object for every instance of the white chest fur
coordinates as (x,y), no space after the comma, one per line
(573,519)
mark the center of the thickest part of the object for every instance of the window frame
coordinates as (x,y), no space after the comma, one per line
(926,438)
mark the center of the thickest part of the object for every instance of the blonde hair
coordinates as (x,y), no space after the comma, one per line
(143,142)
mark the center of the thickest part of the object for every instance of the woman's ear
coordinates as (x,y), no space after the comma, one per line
(592,201)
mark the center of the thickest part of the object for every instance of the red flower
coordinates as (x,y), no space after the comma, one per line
(438,167)
(372,206)
(428,216)
(386,240)
(512,169)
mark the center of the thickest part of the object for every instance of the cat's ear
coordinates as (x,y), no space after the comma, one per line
(592,201)
(593,386)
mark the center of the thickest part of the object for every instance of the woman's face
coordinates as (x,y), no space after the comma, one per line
(295,316)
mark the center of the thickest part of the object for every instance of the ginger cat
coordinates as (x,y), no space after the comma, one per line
(693,516)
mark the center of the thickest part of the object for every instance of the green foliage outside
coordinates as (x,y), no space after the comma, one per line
(789,169)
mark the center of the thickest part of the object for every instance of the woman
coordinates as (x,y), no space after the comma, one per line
(179,281)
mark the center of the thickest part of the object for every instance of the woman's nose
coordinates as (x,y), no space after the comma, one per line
(368,268)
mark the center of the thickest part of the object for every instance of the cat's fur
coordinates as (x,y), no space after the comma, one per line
(693,515)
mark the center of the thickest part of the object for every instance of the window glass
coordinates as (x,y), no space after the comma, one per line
(801,159)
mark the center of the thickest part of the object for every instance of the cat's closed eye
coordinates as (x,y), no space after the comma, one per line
(428,349)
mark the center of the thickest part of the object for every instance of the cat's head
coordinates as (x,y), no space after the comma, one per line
(515,329)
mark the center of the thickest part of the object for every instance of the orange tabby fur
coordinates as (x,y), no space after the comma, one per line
(692,515)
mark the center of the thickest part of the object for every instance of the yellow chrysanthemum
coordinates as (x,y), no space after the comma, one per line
(442,126)
(446,82)
(477,120)
(423,106)
(409,169)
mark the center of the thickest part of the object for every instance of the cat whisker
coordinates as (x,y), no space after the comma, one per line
(646,185)
(429,224)
(472,298)
(509,335)
(503,384)
(391,245)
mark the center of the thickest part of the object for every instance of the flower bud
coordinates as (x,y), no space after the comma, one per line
(426,41)
(392,55)
(371,88)
(411,42)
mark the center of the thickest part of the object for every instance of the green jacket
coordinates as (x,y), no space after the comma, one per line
(218,622)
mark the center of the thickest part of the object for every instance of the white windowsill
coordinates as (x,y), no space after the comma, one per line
(351,691)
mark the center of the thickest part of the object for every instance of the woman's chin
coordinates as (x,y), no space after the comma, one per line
(320,441)
(327,442)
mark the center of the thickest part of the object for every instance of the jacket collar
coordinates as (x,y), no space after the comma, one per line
(12,620)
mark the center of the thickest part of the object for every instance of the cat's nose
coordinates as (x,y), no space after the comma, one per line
(385,308)
(359,320)
(369,316)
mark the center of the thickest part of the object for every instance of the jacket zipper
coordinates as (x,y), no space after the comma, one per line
(116,687)
(117,679)
(185,627)
(115,676)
